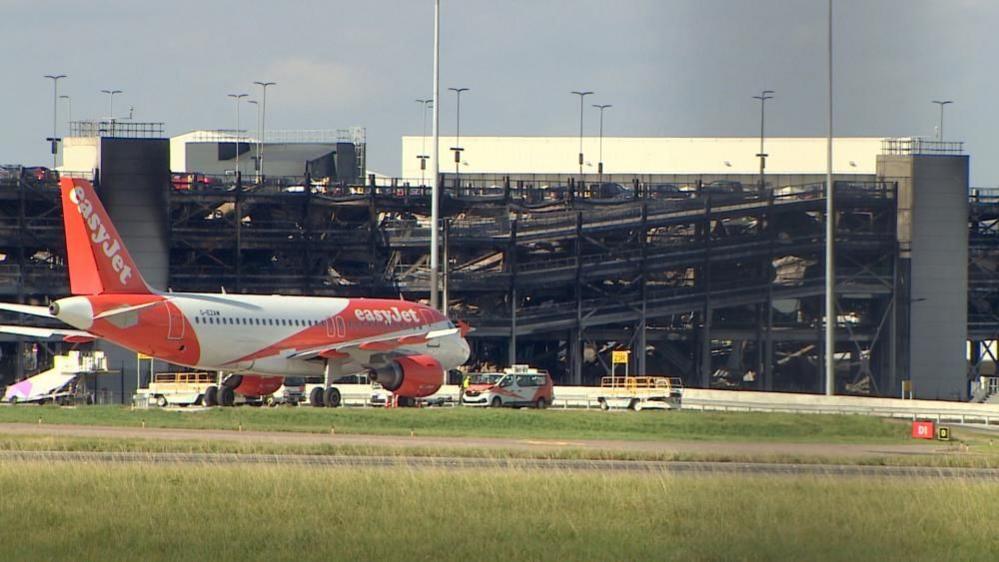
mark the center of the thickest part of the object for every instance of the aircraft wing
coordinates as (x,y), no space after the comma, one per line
(363,348)
(27,309)
(76,336)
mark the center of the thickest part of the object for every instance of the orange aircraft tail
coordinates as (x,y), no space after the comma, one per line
(99,263)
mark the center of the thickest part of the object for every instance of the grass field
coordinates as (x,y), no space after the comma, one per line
(144,512)
(468,422)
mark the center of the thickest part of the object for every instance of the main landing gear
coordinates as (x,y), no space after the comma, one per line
(326,395)
(224,394)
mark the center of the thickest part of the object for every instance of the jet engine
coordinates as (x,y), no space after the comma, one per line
(257,385)
(414,376)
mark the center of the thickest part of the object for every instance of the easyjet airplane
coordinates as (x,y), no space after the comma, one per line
(259,339)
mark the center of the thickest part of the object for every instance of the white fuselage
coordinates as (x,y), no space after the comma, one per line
(261,333)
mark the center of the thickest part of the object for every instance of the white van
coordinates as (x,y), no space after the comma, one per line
(519,385)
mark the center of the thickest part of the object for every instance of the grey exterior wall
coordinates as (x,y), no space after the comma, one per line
(279,159)
(933,240)
(134,182)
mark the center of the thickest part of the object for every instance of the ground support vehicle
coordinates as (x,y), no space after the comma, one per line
(183,389)
(292,393)
(519,385)
(63,384)
(43,388)
(638,393)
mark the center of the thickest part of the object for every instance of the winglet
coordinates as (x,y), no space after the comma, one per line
(98,260)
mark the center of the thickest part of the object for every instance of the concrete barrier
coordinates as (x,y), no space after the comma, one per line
(585,397)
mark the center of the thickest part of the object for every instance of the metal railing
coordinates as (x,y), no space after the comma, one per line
(920,146)
(289,136)
(116,128)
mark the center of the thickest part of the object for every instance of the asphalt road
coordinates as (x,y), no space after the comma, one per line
(453,463)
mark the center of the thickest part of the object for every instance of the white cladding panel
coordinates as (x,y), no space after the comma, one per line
(637,155)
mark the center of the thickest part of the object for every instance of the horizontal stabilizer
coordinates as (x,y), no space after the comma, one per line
(42,311)
(75,336)
(124,310)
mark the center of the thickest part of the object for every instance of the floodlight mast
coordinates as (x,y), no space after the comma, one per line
(830,335)
(435,190)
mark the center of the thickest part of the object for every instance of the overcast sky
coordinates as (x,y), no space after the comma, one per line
(669,67)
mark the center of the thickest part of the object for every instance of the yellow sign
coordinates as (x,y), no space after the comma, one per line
(142,356)
(907,386)
(619,356)
(943,433)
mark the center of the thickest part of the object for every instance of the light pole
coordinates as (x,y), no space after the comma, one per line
(263,126)
(435,191)
(69,111)
(763,97)
(257,166)
(54,140)
(940,130)
(236,98)
(581,96)
(425,103)
(600,164)
(830,335)
(457,136)
(111,94)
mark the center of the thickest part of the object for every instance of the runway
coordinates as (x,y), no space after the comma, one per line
(458,463)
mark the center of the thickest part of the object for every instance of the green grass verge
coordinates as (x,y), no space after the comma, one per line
(960,455)
(144,512)
(469,422)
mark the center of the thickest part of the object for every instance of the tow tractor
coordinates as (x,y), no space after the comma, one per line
(638,393)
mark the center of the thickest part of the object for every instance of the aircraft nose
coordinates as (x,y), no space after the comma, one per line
(75,311)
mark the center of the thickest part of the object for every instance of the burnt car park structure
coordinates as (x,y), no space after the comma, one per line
(719,285)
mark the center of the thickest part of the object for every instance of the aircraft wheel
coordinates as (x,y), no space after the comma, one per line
(211,397)
(332,398)
(227,396)
(317,397)
(406,401)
